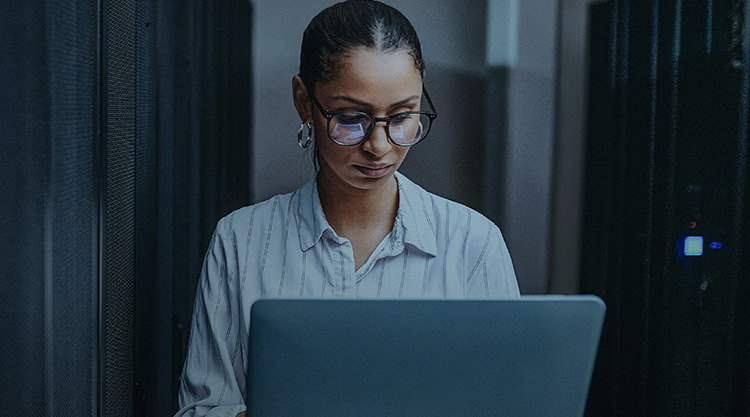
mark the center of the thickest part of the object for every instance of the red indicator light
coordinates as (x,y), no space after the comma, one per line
(693,225)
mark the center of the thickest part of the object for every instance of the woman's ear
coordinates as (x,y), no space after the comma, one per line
(301,99)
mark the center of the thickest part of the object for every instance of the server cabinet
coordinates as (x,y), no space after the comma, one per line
(665,239)
(126,129)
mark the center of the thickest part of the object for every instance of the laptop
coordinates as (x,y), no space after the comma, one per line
(532,356)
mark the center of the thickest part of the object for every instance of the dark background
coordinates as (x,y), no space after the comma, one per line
(129,129)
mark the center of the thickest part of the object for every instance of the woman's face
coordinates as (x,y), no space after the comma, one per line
(380,84)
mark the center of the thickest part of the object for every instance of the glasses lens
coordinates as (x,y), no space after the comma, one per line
(349,128)
(409,128)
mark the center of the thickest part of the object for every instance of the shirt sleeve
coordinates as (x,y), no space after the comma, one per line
(213,379)
(492,275)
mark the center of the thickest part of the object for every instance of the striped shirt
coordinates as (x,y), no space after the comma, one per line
(284,247)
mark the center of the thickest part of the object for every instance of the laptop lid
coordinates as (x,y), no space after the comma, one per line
(531,356)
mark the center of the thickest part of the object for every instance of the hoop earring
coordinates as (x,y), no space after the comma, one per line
(305,142)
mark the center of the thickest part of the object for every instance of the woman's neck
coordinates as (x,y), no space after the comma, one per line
(351,210)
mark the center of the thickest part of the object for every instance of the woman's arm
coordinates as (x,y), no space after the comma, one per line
(213,375)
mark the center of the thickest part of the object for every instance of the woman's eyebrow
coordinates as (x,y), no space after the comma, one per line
(352,100)
(364,104)
(405,101)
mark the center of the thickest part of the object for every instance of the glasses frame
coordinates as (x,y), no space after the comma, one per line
(431,114)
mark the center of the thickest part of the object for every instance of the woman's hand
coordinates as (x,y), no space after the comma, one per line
(242,414)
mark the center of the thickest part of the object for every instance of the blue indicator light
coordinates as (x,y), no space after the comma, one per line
(716,245)
(694,246)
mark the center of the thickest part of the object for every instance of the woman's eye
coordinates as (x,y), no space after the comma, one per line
(401,118)
(350,119)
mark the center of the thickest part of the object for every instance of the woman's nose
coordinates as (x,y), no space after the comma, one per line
(378,143)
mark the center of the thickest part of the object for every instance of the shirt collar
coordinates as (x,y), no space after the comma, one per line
(310,215)
(417,221)
(414,223)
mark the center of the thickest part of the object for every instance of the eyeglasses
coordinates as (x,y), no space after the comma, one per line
(350,128)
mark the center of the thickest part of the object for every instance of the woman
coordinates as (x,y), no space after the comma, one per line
(359,229)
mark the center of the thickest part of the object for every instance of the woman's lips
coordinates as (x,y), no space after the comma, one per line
(374,171)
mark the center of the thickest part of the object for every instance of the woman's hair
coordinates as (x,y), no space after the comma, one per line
(339,29)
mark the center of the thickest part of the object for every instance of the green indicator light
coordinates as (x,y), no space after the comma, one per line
(694,246)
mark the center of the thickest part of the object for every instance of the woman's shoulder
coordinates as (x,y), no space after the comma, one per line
(465,238)
(259,215)
(439,210)
(448,219)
